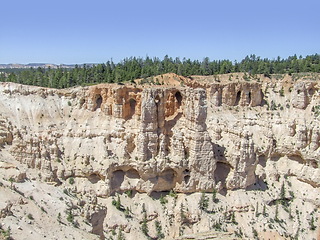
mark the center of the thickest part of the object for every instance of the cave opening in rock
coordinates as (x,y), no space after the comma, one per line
(132,173)
(238,98)
(297,158)
(179,98)
(132,109)
(117,179)
(98,101)
(249,99)
(94,178)
(167,179)
(262,160)
(222,171)
(82,101)
(186,153)
(186,177)
(311,91)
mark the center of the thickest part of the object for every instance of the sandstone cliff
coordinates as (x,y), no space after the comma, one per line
(196,135)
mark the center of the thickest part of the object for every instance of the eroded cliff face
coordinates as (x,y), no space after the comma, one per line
(193,137)
(189,135)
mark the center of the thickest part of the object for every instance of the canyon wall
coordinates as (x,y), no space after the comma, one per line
(195,136)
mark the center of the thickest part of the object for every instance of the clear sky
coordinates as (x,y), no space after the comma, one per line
(95,31)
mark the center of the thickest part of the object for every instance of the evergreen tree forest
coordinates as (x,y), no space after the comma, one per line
(134,68)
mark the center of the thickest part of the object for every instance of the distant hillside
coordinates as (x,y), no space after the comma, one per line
(42,65)
(33,65)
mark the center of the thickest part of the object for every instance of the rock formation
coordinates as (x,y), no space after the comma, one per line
(198,135)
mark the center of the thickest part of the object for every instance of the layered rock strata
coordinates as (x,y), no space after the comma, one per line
(193,137)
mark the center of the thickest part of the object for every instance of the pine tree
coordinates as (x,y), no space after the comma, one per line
(203,203)
(118,203)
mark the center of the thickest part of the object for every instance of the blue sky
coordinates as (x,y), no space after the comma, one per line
(95,31)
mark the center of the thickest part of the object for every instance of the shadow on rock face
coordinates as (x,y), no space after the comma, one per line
(96,220)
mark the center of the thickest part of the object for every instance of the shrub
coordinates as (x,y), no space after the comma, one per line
(172,194)
(70,216)
(129,193)
(281,92)
(11,180)
(71,180)
(43,210)
(29,216)
(127,213)
(163,200)
(311,223)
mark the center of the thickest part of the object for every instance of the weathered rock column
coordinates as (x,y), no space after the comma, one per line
(201,163)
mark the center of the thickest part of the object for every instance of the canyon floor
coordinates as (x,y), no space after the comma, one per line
(228,156)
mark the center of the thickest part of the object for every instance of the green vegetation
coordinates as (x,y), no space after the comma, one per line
(120,234)
(11,180)
(182,214)
(204,201)
(5,234)
(59,218)
(311,223)
(127,213)
(129,193)
(214,195)
(160,235)
(43,210)
(118,203)
(163,200)
(316,110)
(71,180)
(134,68)
(70,217)
(173,194)
(144,226)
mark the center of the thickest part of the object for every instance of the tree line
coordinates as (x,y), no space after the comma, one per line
(134,68)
